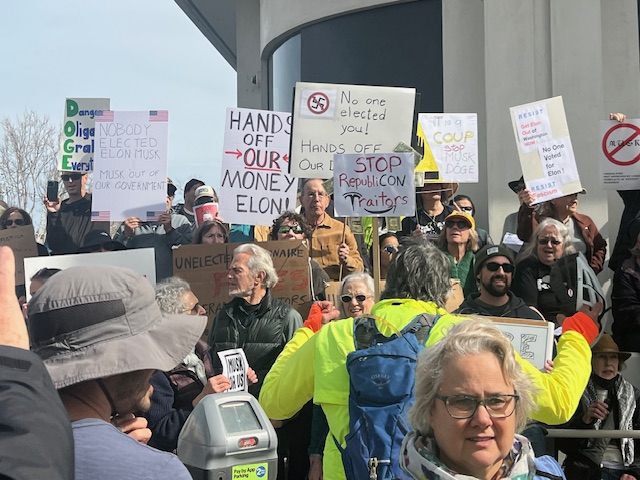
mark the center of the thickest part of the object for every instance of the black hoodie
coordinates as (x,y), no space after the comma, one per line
(514,308)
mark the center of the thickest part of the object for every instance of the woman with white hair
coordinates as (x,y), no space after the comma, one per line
(471,397)
(356,295)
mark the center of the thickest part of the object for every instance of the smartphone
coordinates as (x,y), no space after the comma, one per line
(52,190)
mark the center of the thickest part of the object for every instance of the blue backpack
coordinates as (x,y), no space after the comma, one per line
(381,377)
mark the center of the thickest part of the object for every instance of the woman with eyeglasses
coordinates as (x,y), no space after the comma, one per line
(389,245)
(459,241)
(465,204)
(14,217)
(292,226)
(356,295)
(585,236)
(432,208)
(532,281)
(471,399)
(211,232)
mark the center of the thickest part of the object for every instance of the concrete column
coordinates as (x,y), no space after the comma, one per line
(248,54)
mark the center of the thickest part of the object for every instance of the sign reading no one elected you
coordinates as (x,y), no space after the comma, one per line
(379,185)
(130,171)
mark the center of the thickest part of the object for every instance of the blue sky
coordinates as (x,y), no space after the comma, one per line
(143,54)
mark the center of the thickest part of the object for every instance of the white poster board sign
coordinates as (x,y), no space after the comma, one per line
(620,153)
(452,140)
(77,144)
(130,165)
(140,260)
(544,146)
(330,119)
(378,185)
(531,339)
(234,367)
(256,187)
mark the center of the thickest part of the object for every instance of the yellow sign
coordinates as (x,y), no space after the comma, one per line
(254,471)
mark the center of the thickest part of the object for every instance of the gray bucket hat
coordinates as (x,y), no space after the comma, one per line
(93,322)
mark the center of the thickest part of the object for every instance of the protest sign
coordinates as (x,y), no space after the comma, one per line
(77,145)
(256,186)
(331,119)
(205,268)
(205,213)
(532,339)
(23,243)
(130,165)
(452,141)
(234,367)
(140,260)
(374,185)
(620,154)
(546,155)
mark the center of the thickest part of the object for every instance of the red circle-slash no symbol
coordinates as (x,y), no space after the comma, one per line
(635,131)
(318,103)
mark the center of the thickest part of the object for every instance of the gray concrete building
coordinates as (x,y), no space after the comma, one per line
(480,56)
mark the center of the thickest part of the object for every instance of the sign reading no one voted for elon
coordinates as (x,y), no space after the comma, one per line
(256,186)
(331,119)
(78,140)
(234,367)
(452,142)
(544,146)
(130,165)
(620,154)
(380,185)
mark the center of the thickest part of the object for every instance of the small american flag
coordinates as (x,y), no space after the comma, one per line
(102,216)
(153,216)
(104,116)
(158,115)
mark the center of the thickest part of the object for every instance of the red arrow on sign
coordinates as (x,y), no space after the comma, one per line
(286,158)
(236,152)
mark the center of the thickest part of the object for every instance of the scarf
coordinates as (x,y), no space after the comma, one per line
(419,460)
(622,393)
(195,365)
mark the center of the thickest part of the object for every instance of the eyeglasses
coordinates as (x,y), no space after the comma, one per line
(494,266)
(297,229)
(360,298)
(464,406)
(312,195)
(19,222)
(391,249)
(72,176)
(466,209)
(461,224)
(545,241)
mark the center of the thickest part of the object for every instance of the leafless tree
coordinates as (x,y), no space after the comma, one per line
(28,158)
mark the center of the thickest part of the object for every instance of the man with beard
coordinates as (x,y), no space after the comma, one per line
(101,335)
(494,271)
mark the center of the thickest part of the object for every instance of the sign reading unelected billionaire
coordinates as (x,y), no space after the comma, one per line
(78,139)
(130,174)
(256,186)
(380,185)
(332,119)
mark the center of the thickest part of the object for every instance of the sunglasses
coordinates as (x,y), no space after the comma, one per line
(297,229)
(72,176)
(461,224)
(494,266)
(391,249)
(360,298)
(545,241)
(18,222)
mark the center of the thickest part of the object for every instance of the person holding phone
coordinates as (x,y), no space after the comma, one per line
(69,220)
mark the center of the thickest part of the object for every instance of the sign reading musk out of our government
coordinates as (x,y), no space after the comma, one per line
(256,187)
(333,119)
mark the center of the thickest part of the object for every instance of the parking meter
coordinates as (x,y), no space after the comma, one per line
(229,437)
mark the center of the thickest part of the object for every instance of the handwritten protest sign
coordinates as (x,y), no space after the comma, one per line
(205,267)
(234,367)
(140,260)
(256,186)
(620,154)
(546,155)
(77,145)
(23,243)
(532,339)
(130,170)
(331,119)
(452,141)
(374,185)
